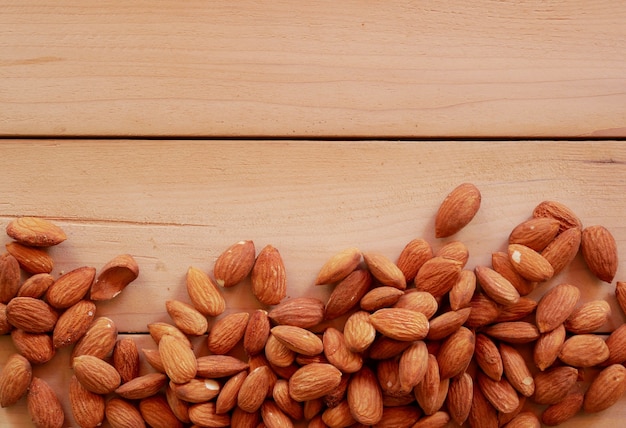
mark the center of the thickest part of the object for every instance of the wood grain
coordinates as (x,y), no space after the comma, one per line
(173,204)
(298,69)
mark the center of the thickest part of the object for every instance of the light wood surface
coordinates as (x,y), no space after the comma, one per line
(397,68)
(174,204)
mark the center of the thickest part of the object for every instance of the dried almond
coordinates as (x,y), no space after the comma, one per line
(365,397)
(554,384)
(482,414)
(455,250)
(606,389)
(484,311)
(243,419)
(529,263)
(535,233)
(388,374)
(313,381)
(273,416)
(412,365)
(488,358)
(456,353)
(9,277)
(280,394)
(459,400)
(234,264)
(126,359)
(427,391)
(122,414)
(114,277)
(600,252)
(438,419)
(196,390)
(497,287)
(227,332)
(36,286)
(447,323)
(71,287)
(457,210)
(87,407)
(178,359)
(358,332)
(254,389)
(400,324)
(438,275)
(14,379)
(218,366)
(298,339)
(339,266)
(418,301)
(36,232)
(5,326)
(159,329)
(203,414)
(31,315)
(413,256)
(99,339)
(584,350)
(154,359)
(399,417)
(462,291)
(548,346)
(35,347)
(337,352)
(502,264)
(337,395)
(517,311)
(516,371)
(524,420)
(380,297)
(187,318)
(157,413)
(616,343)
(96,375)
(564,410)
(257,332)
(277,353)
(500,394)
(338,416)
(384,270)
(304,312)
(142,386)
(562,250)
(347,294)
(204,293)
(269,279)
(32,259)
(620,295)
(179,407)
(227,398)
(513,332)
(588,317)
(558,211)
(556,306)
(43,405)
(73,323)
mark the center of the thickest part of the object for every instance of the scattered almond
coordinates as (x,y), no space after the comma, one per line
(87,407)
(35,347)
(234,264)
(126,359)
(457,210)
(43,405)
(438,275)
(204,294)
(380,297)
(600,252)
(556,305)
(32,259)
(157,413)
(96,375)
(9,277)
(588,317)
(535,233)
(339,266)
(31,315)
(529,263)
(227,332)
(560,212)
(365,397)
(122,414)
(313,381)
(497,287)
(400,324)
(606,389)
(36,286)
(73,323)
(584,350)
(36,232)
(413,256)
(14,379)
(269,279)
(304,312)
(459,400)
(187,318)
(178,359)
(564,410)
(554,384)
(562,250)
(548,347)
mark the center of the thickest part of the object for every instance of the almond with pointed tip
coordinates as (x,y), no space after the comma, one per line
(304,312)
(339,266)
(502,264)
(564,410)
(254,389)
(114,277)
(43,405)
(203,414)
(338,395)
(500,394)
(35,231)
(516,370)
(179,361)
(358,332)
(456,353)
(313,381)
(438,275)
(517,311)
(427,391)
(455,250)
(87,407)
(98,340)
(457,210)
(529,263)
(400,324)
(35,347)
(257,332)
(73,323)
(600,252)
(337,352)
(606,389)
(535,233)
(447,323)
(143,386)
(513,332)
(496,286)
(187,318)
(298,339)
(36,286)
(9,277)
(32,259)
(277,353)
(204,294)
(159,329)
(525,419)
(459,400)
(347,293)
(365,397)
(217,366)
(584,350)
(273,416)
(484,311)
(482,414)
(96,375)
(338,416)
(488,357)
(412,365)
(179,407)
(562,250)
(384,270)
(555,306)
(227,332)
(227,397)
(557,210)
(196,390)
(122,414)
(269,279)
(548,346)
(157,413)
(15,378)
(71,287)
(462,291)
(588,317)
(380,297)
(31,315)
(126,359)
(413,256)
(418,301)
(554,384)
(234,264)
(616,343)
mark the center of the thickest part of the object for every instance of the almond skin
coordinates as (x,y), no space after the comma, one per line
(484,311)
(384,270)
(187,318)
(380,297)
(554,384)
(502,264)
(427,391)
(535,233)
(600,252)
(217,366)
(548,346)
(358,332)
(513,332)
(227,332)
(459,398)
(203,414)
(400,324)
(413,365)
(584,350)
(126,359)
(447,323)
(337,352)
(196,390)
(227,398)
(35,347)
(43,405)
(142,386)
(456,353)
(269,279)
(31,315)
(122,414)
(9,277)
(457,210)
(178,359)
(555,306)
(418,301)
(257,332)
(234,264)
(482,413)
(438,275)
(620,295)
(14,379)
(463,290)
(488,357)
(87,407)
(254,389)
(517,311)
(71,287)
(413,256)
(496,286)
(298,339)
(273,416)
(5,326)
(454,250)
(339,266)
(529,263)
(500,393)
(562,250)
(157,413)
(36,232)
(365,397)
(564,410)
(114,277)
(36,286)
(32,259)
(560,212)
(588,317)
(304,312)
(347,294)
(313,381)
(96,375)
(204,293)
(516,371)
(73,323)
(606,389)
(99,339)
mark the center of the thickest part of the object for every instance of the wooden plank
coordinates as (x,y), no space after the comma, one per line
(403,69)
(173,204)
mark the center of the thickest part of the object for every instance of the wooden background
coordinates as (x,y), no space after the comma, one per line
(312,130)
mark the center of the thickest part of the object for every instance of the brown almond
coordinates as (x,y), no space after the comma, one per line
(243,419)
(399,417)
(196,390)
(31,315)
(273,416)
(400,324)
(337,395)
(338,416)
(178,359)
(254,389)
(257,332)
(556,306)
(427,391)
(616,343)
(32,259)
(203,414)
(502,264)
(584,350)
(456,353)
(516,370)
(562,250)
(535,233)
(313,381)
(280,394)
(339,266)
(606,389)
(126,359)
(524,420)
(277,353)
(227,332)
(9,277)
(384,270)
(482,414)
(71,287)
(462,291)
(513,332)
(73,323)
(488,358)
(529,263)
(114,277)
(517,311)
(96,375)
(500,394)
(600,252)
(412,365)
(497,287)
(413,256)
(455,250)
(234,264)
(388,374)
(142,387)
(484,311)
(358,332)
(347,294)
(418,301)
(564,410)
(548,346)
(187,318)
(157,413)
(299,340)
(43,405)
(36,286)
(218,366)
(304,312)
(98,340)
(154,359)
(122,414)
(558,211)
(5,326)
(365,397)
(14,379)
(554,384)
(447,323)
(269,279)
(457,210)
(459,400)
(87,407)
(380,297)
(204,294)
(227,398)
(620,295)
(438,419)
(588,317)
(438,275)
(35,347)
(159,329)
(36,232)
(337,352)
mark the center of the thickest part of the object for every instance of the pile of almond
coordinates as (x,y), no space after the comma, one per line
(419,342)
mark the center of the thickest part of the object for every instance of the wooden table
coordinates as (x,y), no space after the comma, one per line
(170,131)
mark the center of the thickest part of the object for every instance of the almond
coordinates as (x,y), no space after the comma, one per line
(178,359)
(36,232)
(384,270)
(338,416)
(35,347)
(462,291)
(548,346)
(273,416)
(347,293)
(337,352)
(203,414)
(400,324)
(31,315)
(584,350)
(427,391)
(269,280)
(620,295)
(179,407)
(588,317)
(243,419)
(413,365)
(418,301)
(497,287)
(380,297)
(114,277)
(456,353)
(154,359)
(606,389)
(535,233)
(5,326)
(564,410)
(502,264)
(257,332)
(529,263)
(365,397)
(516,371)
(43,405)
(14,379)
(280,394)
(313,381)
(524,420)
(298,339)
(227,398)
(552,385)
(399,417)
(562,250)
(438,419)
(482,414)
(447,323)
(600,252)
(73,323)
(459,400)
(9,277)
(126,359)
(455,250)
(500,394)
(32,259)
(413,256)
(337,395)
(204,294)
(187,318)
(616,343)
(71,287)
(517,311)
(483,312)
(277,353)
(196,390)
(234,264)
(556,305)
(36,286)
(99,339)
(142,386)
(358,332)
(159,329)
(560,212)
(488,357)
(217,366)
(457,210)
(122,414)
(513,332)
(339,266)
(87,407)
(304,312)
(438,275)
(254,389)
(227,332)
(157,413)
(96,375)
